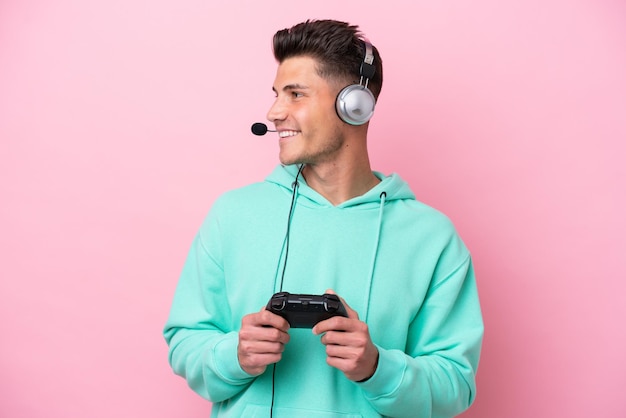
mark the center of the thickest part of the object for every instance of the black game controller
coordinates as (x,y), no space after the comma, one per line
(304,311)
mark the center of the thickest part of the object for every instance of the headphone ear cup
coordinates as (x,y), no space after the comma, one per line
(355,104)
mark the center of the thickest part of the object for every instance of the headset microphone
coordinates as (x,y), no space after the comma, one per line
(259,128)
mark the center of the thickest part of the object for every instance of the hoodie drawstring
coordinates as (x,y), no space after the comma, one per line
(368,293)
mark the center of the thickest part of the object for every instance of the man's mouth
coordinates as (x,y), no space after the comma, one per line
(287,134)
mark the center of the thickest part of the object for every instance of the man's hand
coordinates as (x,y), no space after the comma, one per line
(349,347)
(262,340)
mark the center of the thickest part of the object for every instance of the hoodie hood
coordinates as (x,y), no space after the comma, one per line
(392,186)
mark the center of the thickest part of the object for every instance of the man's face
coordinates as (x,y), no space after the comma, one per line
(304,114)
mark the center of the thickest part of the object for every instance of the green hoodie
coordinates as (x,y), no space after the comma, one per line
(397,262)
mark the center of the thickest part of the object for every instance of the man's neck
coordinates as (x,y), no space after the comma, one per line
(339,183)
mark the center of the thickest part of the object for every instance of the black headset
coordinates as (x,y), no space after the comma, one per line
(355,103)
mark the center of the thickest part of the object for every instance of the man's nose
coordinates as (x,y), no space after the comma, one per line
(278,111)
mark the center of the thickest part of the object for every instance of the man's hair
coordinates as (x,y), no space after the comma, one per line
(337,47)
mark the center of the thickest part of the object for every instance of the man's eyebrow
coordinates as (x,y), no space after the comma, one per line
(294,86)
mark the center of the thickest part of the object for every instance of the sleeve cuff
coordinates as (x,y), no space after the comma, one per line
(226,362)
(388,375)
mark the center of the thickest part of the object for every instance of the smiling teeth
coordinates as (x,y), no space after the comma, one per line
(285,134)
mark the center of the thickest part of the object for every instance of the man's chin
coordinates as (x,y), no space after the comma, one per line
(289,160)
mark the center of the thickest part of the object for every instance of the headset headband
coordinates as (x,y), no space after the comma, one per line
(367,69)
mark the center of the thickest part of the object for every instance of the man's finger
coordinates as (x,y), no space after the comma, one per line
(352,314)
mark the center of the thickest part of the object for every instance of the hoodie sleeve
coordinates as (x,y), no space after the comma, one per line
(435,375)
(202,345)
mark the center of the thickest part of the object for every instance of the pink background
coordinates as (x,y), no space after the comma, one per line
(121,121)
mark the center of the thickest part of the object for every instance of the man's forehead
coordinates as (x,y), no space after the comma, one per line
(297,71)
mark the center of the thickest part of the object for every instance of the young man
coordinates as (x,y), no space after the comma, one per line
(324,222)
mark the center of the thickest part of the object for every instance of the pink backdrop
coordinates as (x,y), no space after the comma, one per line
(121,121)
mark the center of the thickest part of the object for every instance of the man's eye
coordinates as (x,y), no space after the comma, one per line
(296,94)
